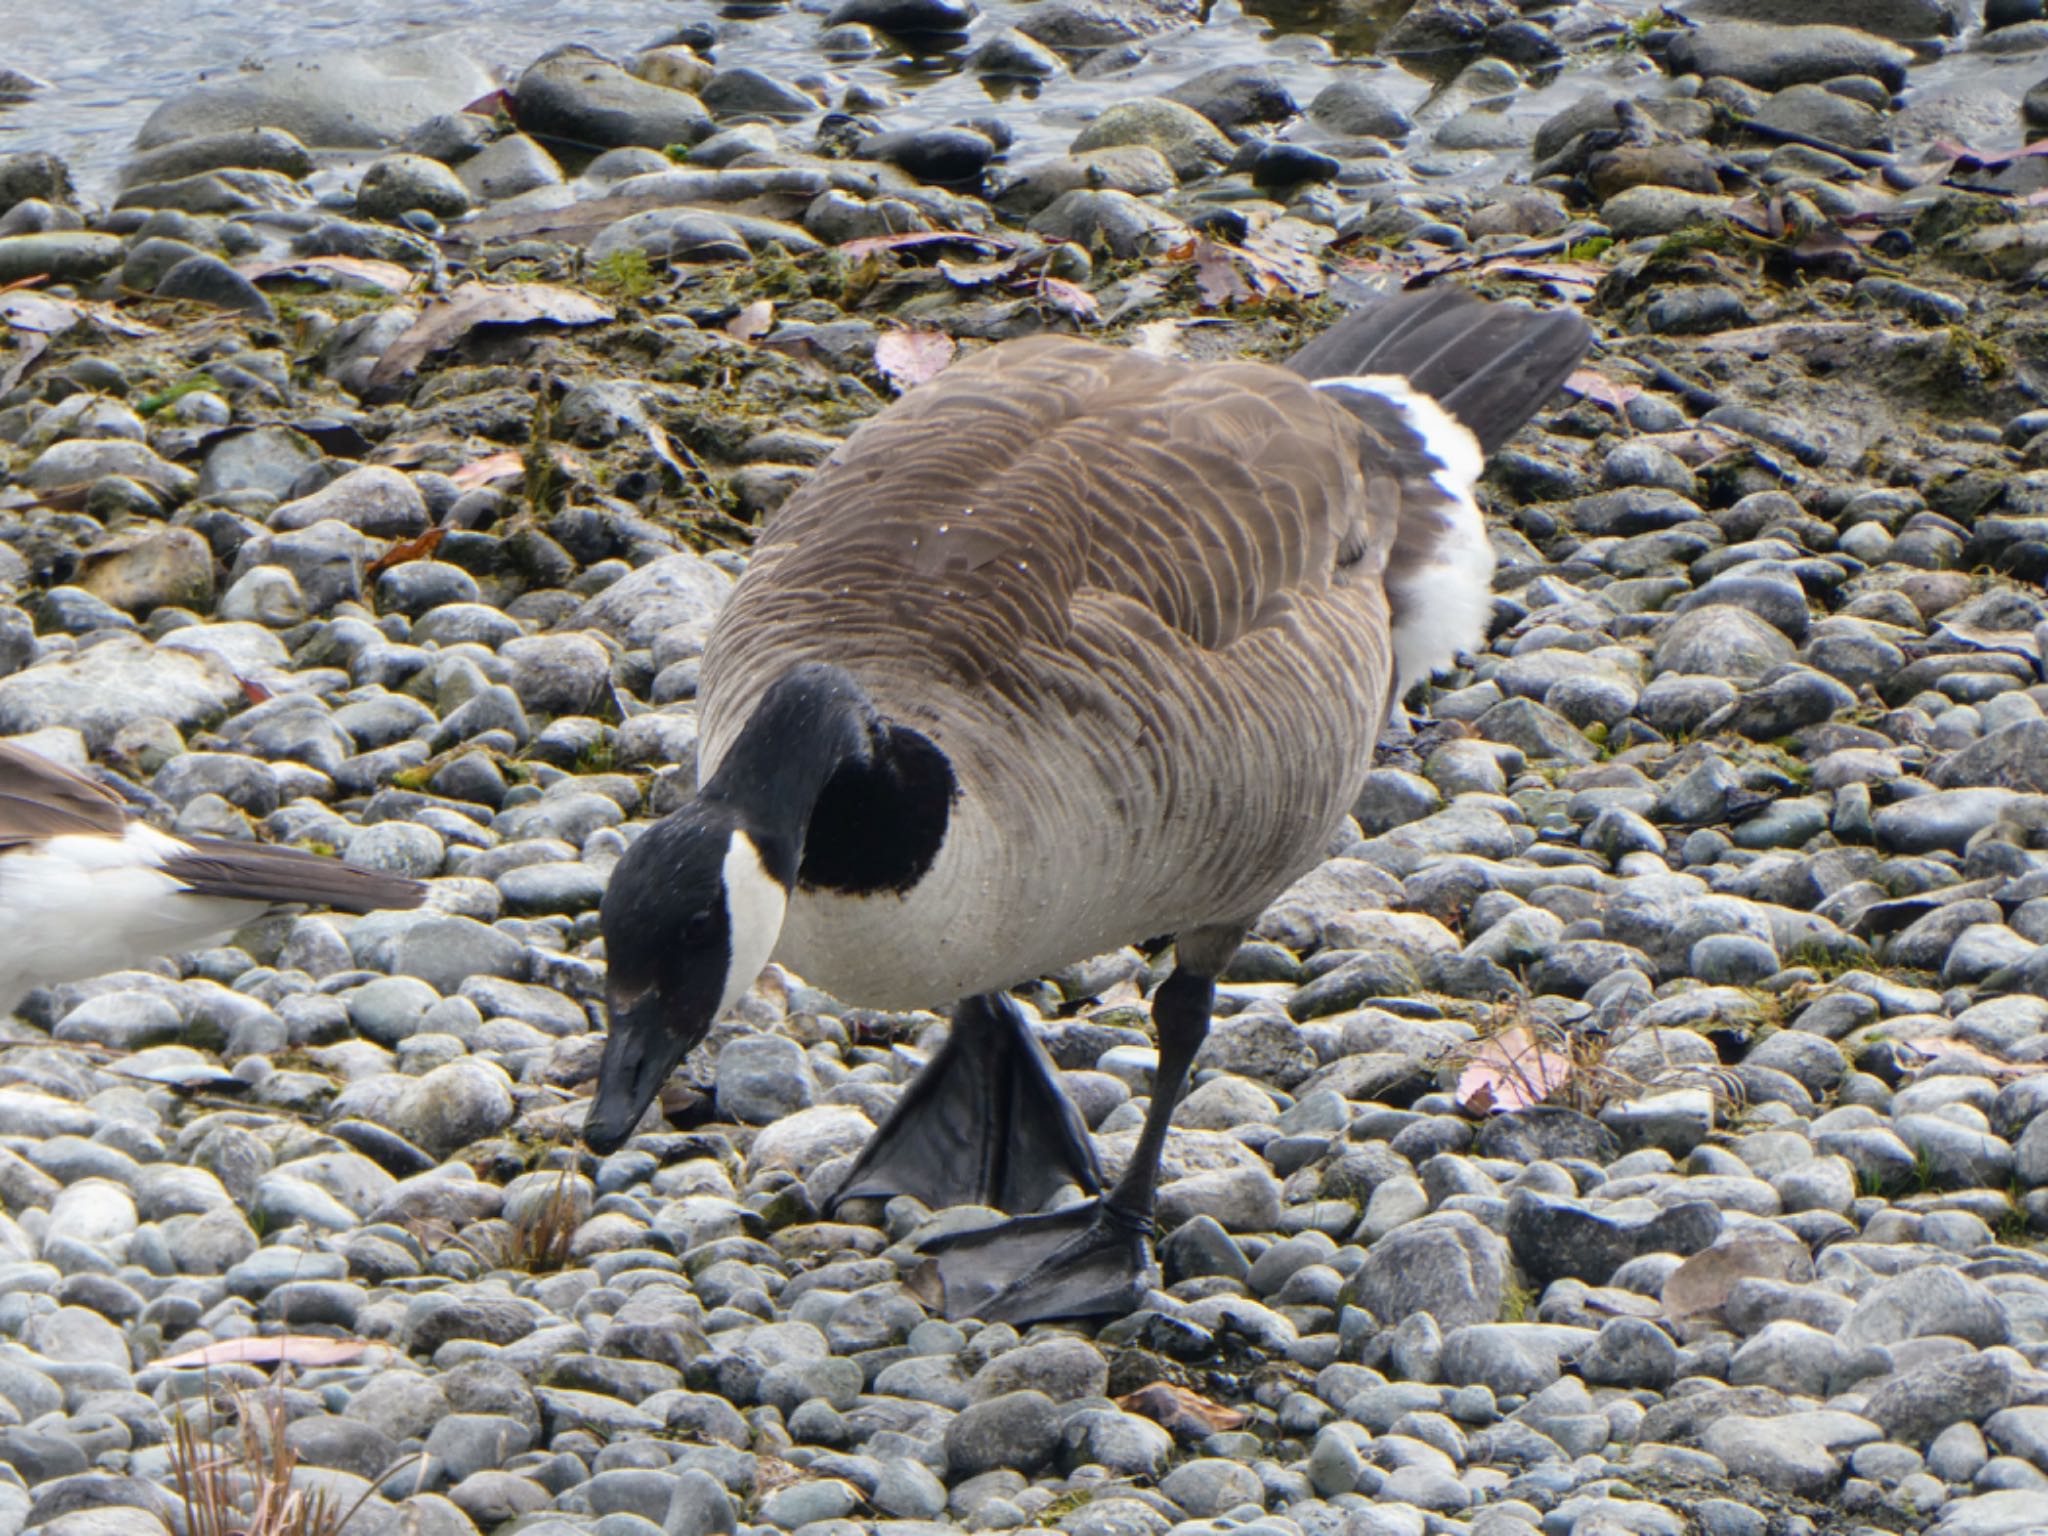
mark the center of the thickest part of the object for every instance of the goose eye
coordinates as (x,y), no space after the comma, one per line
(698,928)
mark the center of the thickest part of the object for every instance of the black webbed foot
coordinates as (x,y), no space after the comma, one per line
(1088,1260)
(985,1123)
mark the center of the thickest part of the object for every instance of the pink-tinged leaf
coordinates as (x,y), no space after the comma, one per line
(910,358)
(499,466)
(756,320)
(279,1349)
(1600,389)
(1513,1070)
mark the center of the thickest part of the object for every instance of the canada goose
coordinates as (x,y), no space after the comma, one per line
(84,888)
(1071,647)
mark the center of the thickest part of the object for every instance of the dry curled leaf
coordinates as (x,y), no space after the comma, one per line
(1512,1070)
(1226,274)
(757,319)
(498,466)
(910,358)
(1183,1414)
(279,1349)
(1071,297)
(22,309)
(350,271)
(1600,389)
(405,551)
(446,322)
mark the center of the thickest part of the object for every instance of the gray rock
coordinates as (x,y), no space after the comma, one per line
(68,256)
(1926,1301)
(1018,1430)
(575,95)
(1447,1265)
(114,684)
(206,279)
(1127,226)
(397,184)
(1945,819)
(1189,141)
(336,99)
(663,594)
(1774,57)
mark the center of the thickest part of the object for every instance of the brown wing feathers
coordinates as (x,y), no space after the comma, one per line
(40,800)
(262,872)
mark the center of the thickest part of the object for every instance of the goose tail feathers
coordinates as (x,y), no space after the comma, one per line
(1489,367)
(1440,380)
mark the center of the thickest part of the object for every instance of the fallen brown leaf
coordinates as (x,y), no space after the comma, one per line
(1071,297)
(498,466)
(910,358)
(405,551)
(447,321)
(1185,1415)
(33,345)
(757,319)
(1702,1283)
(1600,389)
(386,276)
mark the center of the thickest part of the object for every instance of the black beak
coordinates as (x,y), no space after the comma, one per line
(645,1044)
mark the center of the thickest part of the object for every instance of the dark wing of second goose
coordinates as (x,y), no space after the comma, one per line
(38,800)
(41,801)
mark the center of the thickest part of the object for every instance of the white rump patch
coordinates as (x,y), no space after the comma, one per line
(754,907)
(1442,607)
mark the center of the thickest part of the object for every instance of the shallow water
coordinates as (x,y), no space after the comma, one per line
(111,61)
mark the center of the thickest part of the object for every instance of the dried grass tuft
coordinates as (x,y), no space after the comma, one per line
(245,1487)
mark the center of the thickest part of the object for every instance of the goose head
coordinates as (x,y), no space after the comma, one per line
(694,908)
(690,917)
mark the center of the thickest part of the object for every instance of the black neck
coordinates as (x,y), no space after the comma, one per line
(812,721)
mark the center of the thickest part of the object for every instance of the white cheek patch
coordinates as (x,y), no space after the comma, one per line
(754,906)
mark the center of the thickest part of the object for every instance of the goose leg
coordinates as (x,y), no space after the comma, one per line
(985,1123)
(1092,1259)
